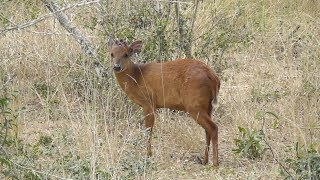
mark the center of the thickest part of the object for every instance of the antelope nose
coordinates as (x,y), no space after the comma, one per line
(117,67)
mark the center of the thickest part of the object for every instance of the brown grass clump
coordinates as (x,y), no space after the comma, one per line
(78,126)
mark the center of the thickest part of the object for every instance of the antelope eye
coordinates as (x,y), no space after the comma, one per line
(111,54)
(126,55)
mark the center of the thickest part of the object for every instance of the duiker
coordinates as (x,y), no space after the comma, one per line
(183,84)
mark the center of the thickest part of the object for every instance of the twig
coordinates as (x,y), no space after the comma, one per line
(271,150)
(172,1)
(274,158)
(48,33)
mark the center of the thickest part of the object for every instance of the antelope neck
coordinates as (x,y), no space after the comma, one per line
(130,75)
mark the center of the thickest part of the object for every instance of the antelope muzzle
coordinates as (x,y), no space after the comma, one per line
(117,67)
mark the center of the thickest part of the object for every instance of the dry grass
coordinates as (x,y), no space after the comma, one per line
(91,118)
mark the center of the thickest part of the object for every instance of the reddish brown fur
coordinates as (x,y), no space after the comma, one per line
(183,84)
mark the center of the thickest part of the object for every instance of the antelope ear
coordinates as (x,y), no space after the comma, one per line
(110,42)
(136,47)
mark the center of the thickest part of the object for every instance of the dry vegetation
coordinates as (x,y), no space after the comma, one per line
(71,124)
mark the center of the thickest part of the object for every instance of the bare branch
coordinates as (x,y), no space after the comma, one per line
(85,44)
(173,1)
(274,157)
(43,17)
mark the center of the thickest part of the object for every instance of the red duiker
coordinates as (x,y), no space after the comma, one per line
(183,84)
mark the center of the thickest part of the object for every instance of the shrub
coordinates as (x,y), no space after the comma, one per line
(306,165)
(250,143)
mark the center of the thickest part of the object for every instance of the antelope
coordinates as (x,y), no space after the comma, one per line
(183,84)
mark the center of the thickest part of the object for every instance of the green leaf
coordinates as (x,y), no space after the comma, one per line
(4,102)
(275,124)
(5,162)
(273,114)
(246,148)
(237,141)
(242,130)
(259,115)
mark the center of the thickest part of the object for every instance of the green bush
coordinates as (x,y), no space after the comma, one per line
(306,165)
(250,143)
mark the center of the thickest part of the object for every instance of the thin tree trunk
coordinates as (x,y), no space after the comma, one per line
(194,17)
(183,42)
